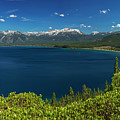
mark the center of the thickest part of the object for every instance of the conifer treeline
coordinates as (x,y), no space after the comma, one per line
(86,92)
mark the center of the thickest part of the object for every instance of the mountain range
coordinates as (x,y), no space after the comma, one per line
(49,37)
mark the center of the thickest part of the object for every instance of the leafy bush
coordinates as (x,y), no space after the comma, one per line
(30,106)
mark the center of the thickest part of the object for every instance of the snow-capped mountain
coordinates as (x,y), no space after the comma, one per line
(9,32)
(9,36)
(56,32)
(65,30)
(52,36)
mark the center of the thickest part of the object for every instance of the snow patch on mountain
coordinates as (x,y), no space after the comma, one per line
(95,32)
(9,32)
(56,32)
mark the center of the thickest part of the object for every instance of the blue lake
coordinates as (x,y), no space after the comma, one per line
(47,70)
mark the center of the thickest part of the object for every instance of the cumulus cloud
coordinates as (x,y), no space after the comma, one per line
(62,15)
(2,20)
(13,16)
(50,27)
(25,19)
(105,11)
(12,11)
(89,26)
(84,26)
(118,25)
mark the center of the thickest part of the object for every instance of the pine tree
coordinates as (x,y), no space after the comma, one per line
(98,91)
(116,65)
(89,92)
(77,96)
(68,99)
(94,90)
(62,101)
(84,91)
(101,92)
(94,93)
(106,86)
(53,99)
(111,87)
(65,100)
(46,101)
(84,88)
(71,94)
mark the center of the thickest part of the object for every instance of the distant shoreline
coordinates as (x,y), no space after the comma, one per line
(101,49)
(52,46)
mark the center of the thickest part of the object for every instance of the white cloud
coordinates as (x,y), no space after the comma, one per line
(13,16)
(2,20)
(50,27)
(82,25)
(89,26)
(103,11)
(56,13)
(62,15)
(25,19)
(118,25)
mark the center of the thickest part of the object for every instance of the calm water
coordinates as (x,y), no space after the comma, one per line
(48,70)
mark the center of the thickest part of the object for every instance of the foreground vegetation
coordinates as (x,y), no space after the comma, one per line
(87,105)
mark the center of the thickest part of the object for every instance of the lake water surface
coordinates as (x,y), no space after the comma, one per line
(48,70)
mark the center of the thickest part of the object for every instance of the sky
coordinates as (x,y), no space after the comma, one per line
(44,15)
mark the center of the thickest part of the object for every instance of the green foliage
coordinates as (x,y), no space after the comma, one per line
(116,80)
(71,95)
(106,86)
(116,65)
(53,99)
(30,106)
